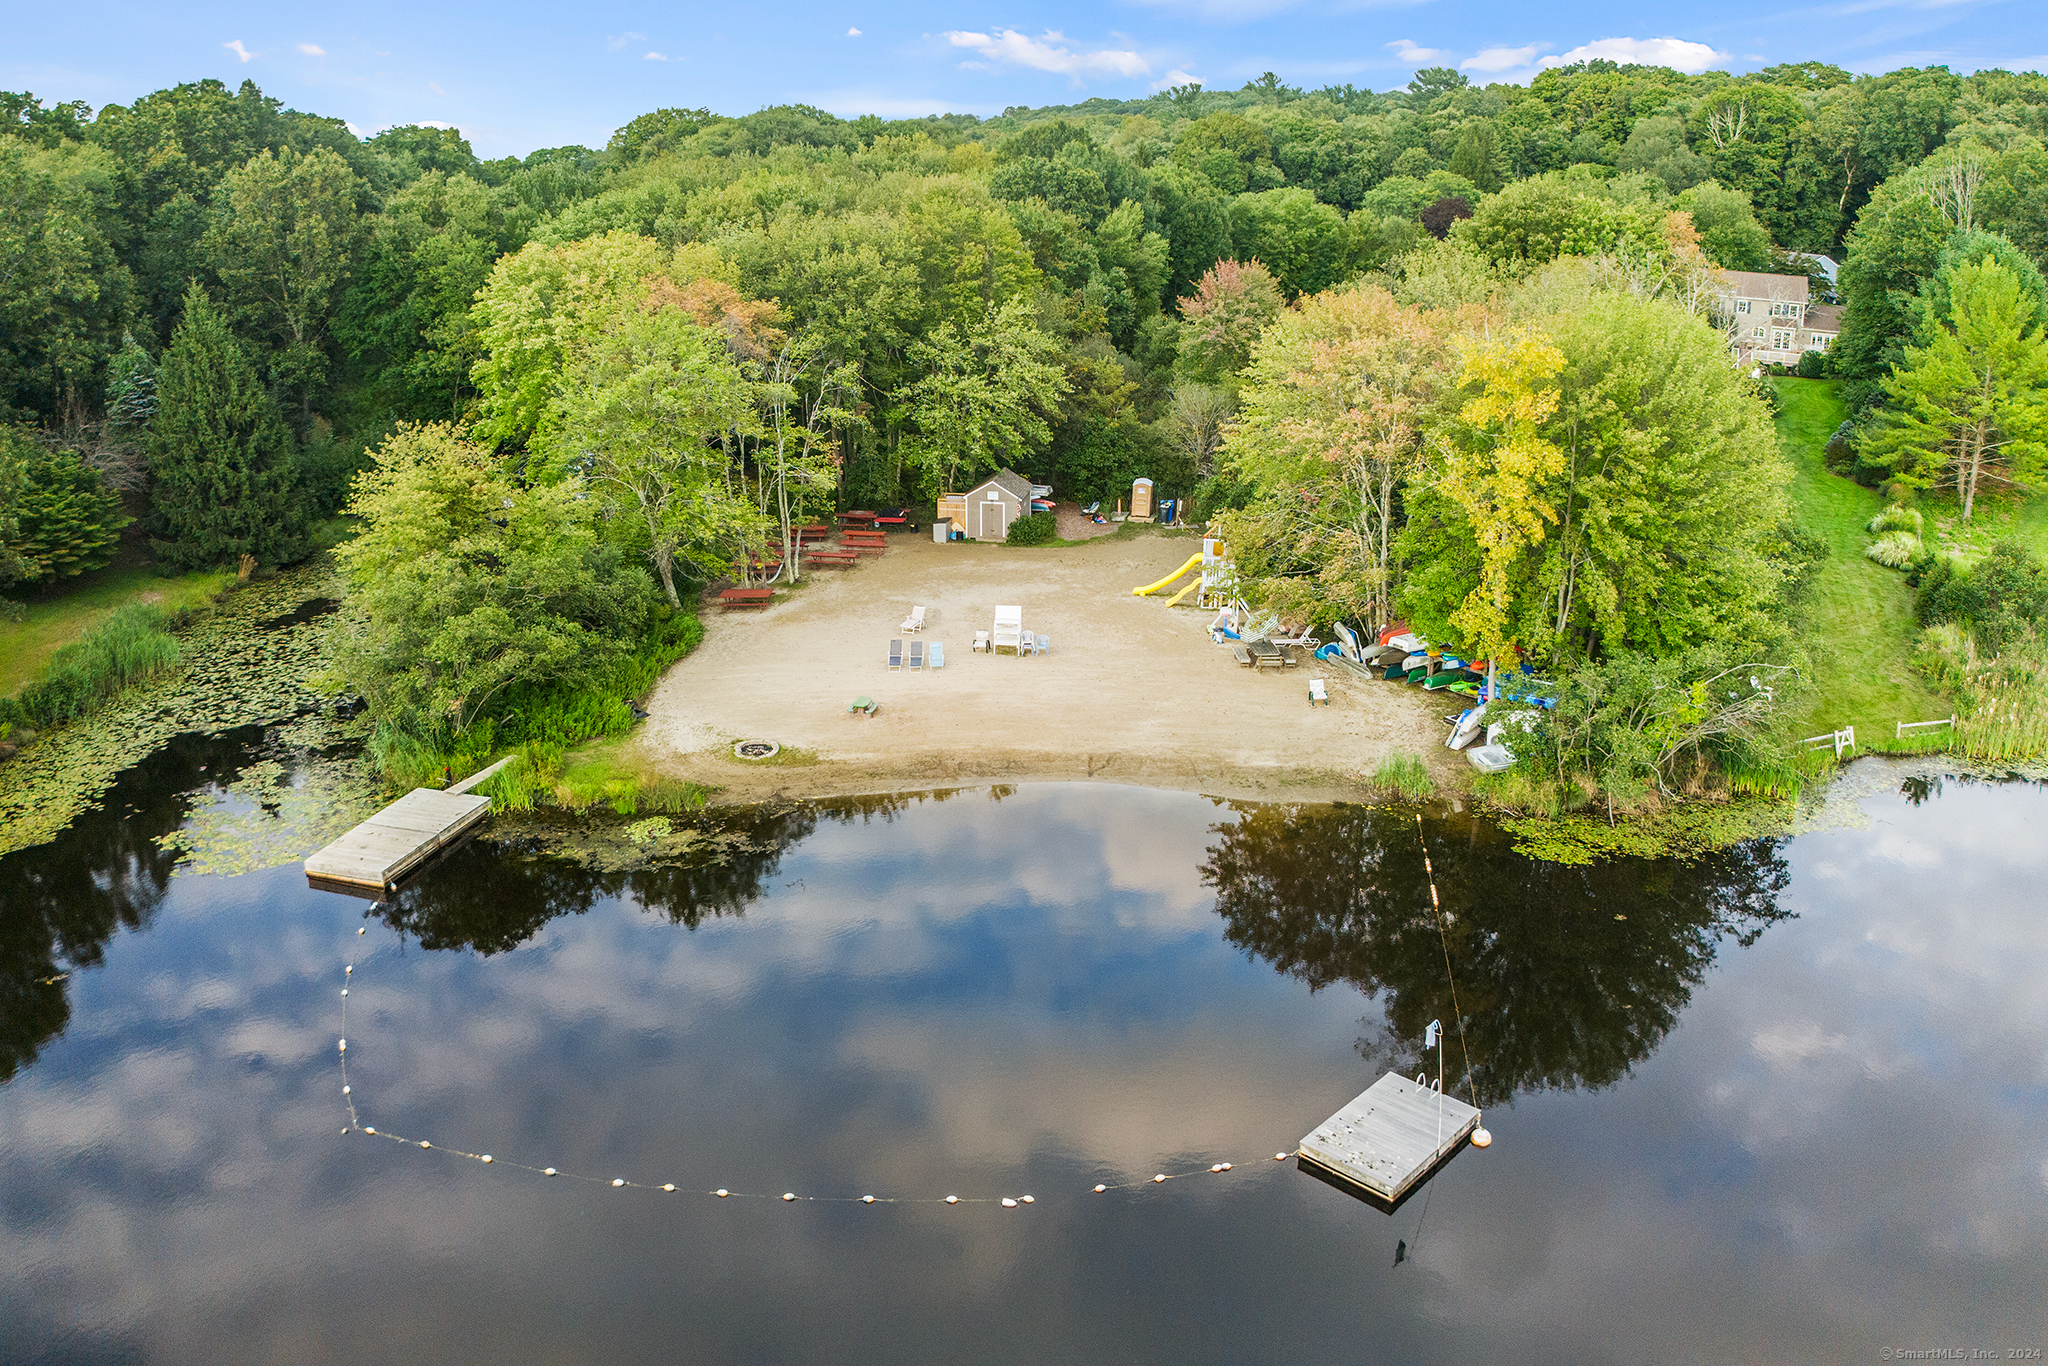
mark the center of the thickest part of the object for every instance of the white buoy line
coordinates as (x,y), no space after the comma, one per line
(356,1126)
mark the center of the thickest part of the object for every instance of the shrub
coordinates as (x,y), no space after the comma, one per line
(57,517)
(1039,528)
(1840,453)
(1897,517)
(1998,601)
(1812,365)
(1894,549)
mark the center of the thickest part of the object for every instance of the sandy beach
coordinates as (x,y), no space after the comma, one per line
(1131,691)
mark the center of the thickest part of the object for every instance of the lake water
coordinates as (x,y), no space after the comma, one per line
(1793,1106)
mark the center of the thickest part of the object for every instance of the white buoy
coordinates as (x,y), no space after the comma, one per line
(1027,1199)
(1226,1166)
(1217,1168)
(670,1188)
(344,1045)
(485,1158)
(425,1144)
(867,1199)
(1481,1138)
(1008,1203)
(547,1171)
(1279,1157)
(723,1192)
(344,991)
(344,1090)
(1157,1179)
(360,930)
(1100,1189)
(618,1181)
(349,971)
(344,1130)
(369,1131)
(952,1199)
(789,1195)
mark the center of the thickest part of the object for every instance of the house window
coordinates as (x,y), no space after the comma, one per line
(1820,342)
(1757,331)
(1780,340)
(1742,305)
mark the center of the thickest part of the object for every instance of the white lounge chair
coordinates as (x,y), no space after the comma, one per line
(938,654)
(913,623)
(895,655)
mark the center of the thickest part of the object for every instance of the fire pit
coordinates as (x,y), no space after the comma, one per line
(756,749)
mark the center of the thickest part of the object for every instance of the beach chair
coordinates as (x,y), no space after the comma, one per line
(895,655)
(1026,644)
(916,656)
(980,645)
(938,654)
(1318,691)
(914,622)
(1045,645)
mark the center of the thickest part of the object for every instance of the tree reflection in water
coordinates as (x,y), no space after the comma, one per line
(1558,989)
(61,902)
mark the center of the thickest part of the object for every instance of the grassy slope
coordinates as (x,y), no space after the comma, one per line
(27,645)
(1860,617)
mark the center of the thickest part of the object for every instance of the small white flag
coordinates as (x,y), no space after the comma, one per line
(1436,1027)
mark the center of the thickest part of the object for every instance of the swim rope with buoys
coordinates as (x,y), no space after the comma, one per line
(1443,937)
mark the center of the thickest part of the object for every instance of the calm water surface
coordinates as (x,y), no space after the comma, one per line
(1793,1107)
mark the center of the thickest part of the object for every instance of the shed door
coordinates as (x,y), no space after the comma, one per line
(995,520)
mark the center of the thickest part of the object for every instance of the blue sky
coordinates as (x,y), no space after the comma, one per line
(522,74)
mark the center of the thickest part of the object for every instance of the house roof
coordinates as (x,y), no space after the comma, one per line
(1824,318)
(1753,284)
(1011,482)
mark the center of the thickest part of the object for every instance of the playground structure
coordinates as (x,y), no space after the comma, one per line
(1211,583)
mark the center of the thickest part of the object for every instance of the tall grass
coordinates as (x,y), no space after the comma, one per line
(132,645)
(2001,700)
(1405,776)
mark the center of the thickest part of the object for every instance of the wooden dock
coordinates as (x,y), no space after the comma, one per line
(1382,1145)
(375,855)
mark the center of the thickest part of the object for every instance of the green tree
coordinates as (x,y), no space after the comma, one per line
(1656,146)
(1477,155)
(985,390)
(1300,239)
(64,295)
(463,585)
(1896,244)
(1229,151)
(1970,406)
(222,475)
(642,412)
(282,241)
(1729,233)
(57,517)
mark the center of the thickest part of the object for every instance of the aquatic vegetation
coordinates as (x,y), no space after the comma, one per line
(281,808)
(234,674)
(1691,831)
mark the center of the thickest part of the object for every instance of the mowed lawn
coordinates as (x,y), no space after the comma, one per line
(26,646)
(1859,619)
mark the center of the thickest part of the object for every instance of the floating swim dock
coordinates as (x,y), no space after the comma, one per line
(1382,1145)
(375,855)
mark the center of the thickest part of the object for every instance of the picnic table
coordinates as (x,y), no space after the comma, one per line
(1264,653)
(746,597)
(856,518)
(832,559)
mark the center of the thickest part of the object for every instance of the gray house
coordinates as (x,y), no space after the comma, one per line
(984,512)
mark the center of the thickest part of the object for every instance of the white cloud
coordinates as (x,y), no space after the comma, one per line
(853,33)
(433,123)
(654,57)
(313,49)
(435,86)
(1492,59)
(852,103)
(1177,77)
(1676,53)
(1050,53)
(1416,55)
(244,53)
(618,42)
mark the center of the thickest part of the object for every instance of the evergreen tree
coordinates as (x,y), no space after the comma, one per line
(131,388)
(57,517)
(221,460)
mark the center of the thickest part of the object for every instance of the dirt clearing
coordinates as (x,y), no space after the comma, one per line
(1131,692)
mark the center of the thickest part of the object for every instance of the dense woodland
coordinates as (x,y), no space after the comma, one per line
(1447,352)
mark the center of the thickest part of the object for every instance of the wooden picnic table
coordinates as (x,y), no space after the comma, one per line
(856,517)
(746,597)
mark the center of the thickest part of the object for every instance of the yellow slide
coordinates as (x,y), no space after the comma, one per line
(1194,562)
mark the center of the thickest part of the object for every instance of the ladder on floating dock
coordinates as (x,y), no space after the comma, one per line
(383,849)
(1382,1145)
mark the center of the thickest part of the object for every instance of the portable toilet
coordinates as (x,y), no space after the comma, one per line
(1141,500)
